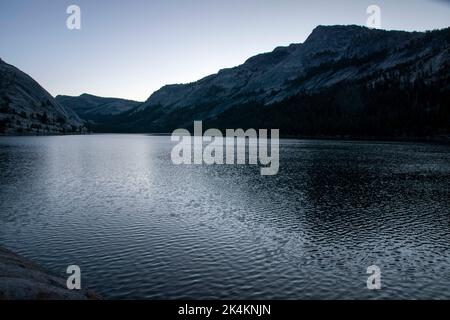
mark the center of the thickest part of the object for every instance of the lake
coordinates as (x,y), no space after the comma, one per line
(141,227)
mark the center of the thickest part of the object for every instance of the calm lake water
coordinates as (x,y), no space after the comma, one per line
(141,227)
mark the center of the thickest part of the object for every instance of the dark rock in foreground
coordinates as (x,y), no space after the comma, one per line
(21,279)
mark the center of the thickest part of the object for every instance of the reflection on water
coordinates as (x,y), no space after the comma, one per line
(141,227)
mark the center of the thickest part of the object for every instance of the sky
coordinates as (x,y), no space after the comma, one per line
(129,49)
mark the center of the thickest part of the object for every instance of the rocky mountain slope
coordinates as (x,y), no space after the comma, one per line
(26,108)
(341,80)
(90,107)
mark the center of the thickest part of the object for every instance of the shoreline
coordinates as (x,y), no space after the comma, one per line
(441,139)
(22,279)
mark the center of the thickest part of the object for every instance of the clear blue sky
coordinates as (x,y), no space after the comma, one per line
(131,48)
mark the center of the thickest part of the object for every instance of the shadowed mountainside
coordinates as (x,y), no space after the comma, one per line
(94,108)
(343,80)
(26,108)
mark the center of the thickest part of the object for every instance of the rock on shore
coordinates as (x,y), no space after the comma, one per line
(21,279)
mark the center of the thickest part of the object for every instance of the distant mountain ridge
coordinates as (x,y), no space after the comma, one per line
(26,108)
(342,81)
(90,107)
(338,77)
(266,76)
